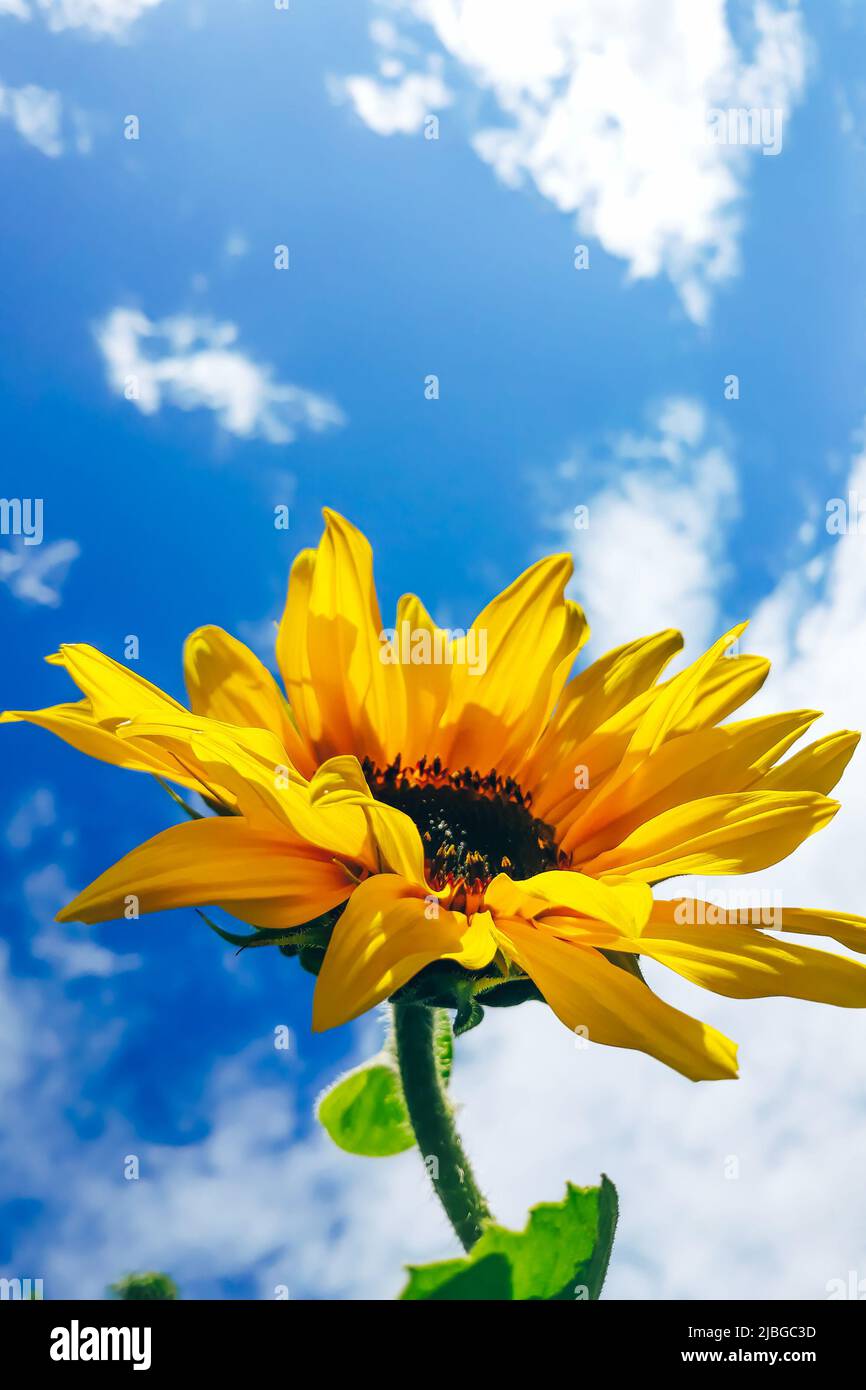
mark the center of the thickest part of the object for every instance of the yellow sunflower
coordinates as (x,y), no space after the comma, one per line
(452,813)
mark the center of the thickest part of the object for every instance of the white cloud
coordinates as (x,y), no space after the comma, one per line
(109,17)
(653,551)
(37,574)
(194,363)
(603,106)
(39,117)
(400,104)
(38,812)
(258,1197)
(70,949)
(36,114)
(813,627)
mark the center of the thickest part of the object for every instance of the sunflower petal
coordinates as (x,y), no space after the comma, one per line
(724,686)
(588,993)
(491,717)
(220,862)
(341,782)
(734,834)
(675,701)
(387,933)
(845,927)
(227,682)
(427,684)
(728,759)
(816,768)
(75,725)
(745,964)
(360,695)
(114,691)
(292,652)
(254,767)
(589,701)
(624,906)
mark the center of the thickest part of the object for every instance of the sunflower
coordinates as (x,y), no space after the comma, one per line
(451,816)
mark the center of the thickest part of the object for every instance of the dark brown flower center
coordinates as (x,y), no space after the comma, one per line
(473,825)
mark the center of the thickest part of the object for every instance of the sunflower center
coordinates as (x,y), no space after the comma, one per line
(473,825)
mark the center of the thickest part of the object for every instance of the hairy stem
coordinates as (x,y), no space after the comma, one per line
(433,1123)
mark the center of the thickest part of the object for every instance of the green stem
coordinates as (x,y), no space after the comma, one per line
(433,1123)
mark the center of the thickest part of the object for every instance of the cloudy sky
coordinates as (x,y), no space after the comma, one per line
(238,242)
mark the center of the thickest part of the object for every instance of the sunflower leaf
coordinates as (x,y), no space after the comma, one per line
(364,1111)
(562,1253)
(487,1279)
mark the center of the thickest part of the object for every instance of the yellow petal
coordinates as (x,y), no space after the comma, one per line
(734,834)
(254,767)
(75,724)
(114,691)
(293,657)
(624,906)
(427,684)
(674,702)
(724,686)
(341,782)
(529,636)
(816,768)
(727,759)
(359,696)
(744,964)
(608,1005)
(387,933)
(845,927)
(220,862)
(588,702)
(227,682)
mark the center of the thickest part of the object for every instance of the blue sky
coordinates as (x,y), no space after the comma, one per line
(563,124)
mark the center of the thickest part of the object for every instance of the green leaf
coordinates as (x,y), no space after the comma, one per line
(487,1278)
(562,1253)
(364,1112)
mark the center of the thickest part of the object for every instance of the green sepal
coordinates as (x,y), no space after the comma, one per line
(364,1111)
(178,799)
(562,1253)
(518,990)
(468,1016)
(310,958)
(254,938)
